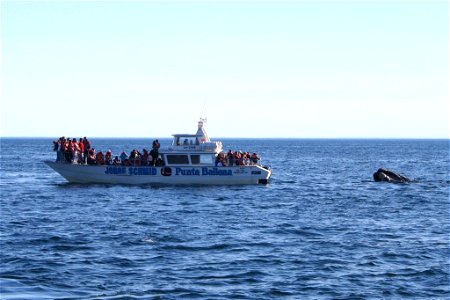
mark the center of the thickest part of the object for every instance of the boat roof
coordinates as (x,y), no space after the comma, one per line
(184,135)
(195,142)
(201,132)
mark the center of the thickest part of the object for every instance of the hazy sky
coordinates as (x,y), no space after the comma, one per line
(254,69)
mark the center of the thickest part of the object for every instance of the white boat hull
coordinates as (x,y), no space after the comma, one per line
(252,174)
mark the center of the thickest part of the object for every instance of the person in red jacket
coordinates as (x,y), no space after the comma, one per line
(82,154)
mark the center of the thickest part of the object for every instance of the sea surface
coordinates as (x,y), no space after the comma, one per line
(321,229)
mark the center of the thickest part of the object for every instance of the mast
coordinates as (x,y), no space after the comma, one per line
(201,131)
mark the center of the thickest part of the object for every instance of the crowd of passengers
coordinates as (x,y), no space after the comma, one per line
(236,159)
(80,152)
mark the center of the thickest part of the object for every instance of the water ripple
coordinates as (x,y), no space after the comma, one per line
(310,234)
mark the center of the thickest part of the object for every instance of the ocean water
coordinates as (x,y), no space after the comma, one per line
(322,229)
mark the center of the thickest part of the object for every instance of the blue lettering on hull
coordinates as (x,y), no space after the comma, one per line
(141,171)
(151,171)
(115,170)
(187,172)
(135,171)
(216,172)
(202,172)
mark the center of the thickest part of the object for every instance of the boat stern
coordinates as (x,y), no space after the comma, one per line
(266,173)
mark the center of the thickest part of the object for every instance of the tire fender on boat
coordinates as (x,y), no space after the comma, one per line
(166,171)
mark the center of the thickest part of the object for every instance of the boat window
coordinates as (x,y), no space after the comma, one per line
(177,159)
(186,141)
(206,159)
(202,159)
(195,159)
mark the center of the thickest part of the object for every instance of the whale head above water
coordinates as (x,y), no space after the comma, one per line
(387,175)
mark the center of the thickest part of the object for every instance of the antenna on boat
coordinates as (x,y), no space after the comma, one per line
(203,114)
(201,122)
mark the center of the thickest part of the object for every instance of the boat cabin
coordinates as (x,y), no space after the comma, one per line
(192,149)
(177,159)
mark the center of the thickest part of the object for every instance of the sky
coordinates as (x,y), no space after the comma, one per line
(278,69)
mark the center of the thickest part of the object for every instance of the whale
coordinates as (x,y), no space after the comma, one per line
(383,174)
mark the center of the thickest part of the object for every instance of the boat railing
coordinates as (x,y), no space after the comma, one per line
(211,147)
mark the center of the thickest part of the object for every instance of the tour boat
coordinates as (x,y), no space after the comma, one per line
(191,159)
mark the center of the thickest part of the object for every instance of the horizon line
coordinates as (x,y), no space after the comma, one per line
(253,138)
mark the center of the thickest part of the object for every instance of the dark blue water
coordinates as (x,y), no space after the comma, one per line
(321,229)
